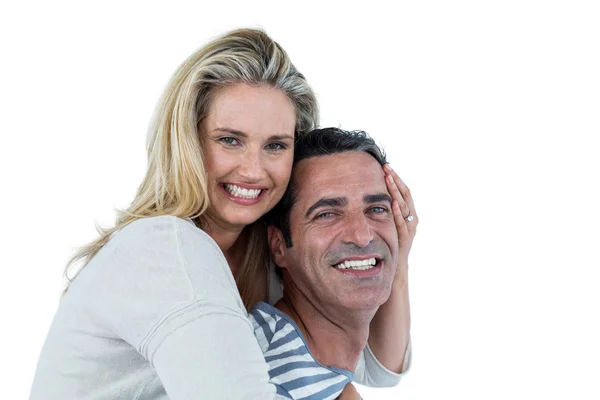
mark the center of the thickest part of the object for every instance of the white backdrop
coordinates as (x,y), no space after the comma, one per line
(488,110)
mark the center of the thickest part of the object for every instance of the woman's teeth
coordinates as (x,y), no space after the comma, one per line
(241,192)
(357,264)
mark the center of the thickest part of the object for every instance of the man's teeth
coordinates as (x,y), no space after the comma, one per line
(242,192)
(357,264)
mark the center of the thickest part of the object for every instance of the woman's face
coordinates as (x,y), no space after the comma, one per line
(247,139)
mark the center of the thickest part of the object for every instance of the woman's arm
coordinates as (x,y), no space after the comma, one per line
(175,301)
(213,357)
(349,393)
(389,337)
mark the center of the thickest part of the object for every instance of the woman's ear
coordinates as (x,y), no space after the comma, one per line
(277,246)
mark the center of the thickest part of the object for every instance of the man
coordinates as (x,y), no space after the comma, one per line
(334,237)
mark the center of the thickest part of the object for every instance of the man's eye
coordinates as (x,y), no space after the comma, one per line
(378,210)
(276,146)
(229,140)
(324,215)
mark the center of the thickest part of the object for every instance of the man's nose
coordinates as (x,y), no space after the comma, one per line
(358,231)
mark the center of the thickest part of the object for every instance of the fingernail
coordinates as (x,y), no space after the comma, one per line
(388,167)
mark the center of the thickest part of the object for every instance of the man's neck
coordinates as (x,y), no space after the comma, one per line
(334,337)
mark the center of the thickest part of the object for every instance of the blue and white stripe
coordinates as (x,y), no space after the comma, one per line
(292,368)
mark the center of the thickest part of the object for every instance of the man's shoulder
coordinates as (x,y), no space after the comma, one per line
(292,367)
(273,329)
(265,316)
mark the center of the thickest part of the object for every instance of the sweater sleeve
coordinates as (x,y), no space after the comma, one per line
(370,372)
(174,299)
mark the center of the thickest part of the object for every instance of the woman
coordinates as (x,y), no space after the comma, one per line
(156,309)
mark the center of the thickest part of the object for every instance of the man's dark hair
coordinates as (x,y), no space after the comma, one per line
(316,143)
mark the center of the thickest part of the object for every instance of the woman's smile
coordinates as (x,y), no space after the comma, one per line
(244,194)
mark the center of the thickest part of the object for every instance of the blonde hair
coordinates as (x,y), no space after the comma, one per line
(175,182)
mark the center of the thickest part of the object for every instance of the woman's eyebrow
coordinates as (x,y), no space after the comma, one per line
(232,131)
(282,137)
(239,133)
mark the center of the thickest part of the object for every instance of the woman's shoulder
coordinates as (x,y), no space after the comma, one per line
(154,272)
(161,231)
(166,260)
(164,244)
(151,247)
(163,224)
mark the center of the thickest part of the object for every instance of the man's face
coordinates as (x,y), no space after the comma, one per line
(345,244)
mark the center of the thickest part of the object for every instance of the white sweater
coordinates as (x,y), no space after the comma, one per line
(156,315)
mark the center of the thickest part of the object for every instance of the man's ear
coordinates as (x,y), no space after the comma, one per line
(277,246)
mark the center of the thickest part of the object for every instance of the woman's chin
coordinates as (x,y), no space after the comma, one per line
(239,219)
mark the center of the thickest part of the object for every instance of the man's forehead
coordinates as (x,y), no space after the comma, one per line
(346,173)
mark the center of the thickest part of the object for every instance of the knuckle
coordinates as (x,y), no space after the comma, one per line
(404,207)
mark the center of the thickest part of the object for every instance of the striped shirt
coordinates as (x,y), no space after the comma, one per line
(292,368)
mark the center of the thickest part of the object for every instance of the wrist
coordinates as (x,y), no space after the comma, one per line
(401,276)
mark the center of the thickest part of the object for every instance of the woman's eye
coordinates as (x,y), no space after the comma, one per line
(276,146)
(229,140)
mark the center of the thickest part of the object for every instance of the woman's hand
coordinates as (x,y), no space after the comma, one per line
(349,393)
(389,336)
(405,216)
